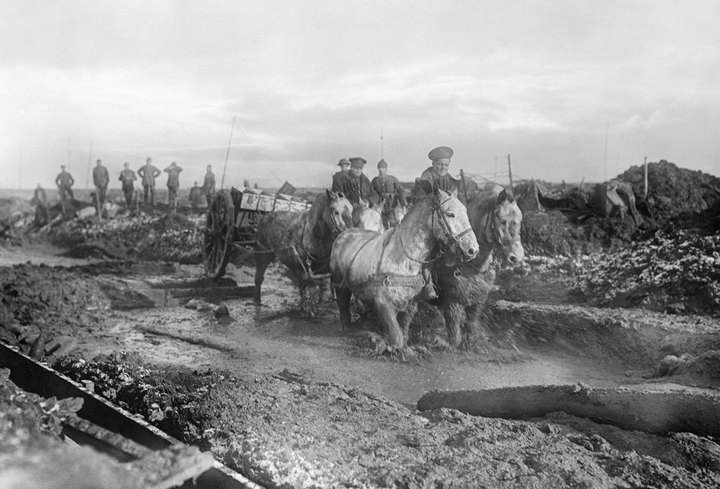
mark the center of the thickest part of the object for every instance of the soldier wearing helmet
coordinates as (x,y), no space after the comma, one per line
(339,177)
(388,188)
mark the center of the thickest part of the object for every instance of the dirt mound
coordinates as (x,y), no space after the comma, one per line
(168,237)
(32,302)
(285,431)
(672,271)
(673,191)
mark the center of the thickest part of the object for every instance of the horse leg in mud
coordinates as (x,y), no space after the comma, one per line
(454,316)
(388,317)
(343,296)
(405,318)
(473,331)
(306,300)
(262,260)
(325,291)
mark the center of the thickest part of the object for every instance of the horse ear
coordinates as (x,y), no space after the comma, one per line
(330,194)
(502,197)
(424,185)
(454,191)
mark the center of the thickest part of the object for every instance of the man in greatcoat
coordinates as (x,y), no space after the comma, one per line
(127,177)
(208,188)
(173,184)
(149,173)
(101,179)
(339,177)
(388,188)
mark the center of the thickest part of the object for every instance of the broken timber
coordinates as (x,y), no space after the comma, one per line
(136,294)
(118,433)
(656,408)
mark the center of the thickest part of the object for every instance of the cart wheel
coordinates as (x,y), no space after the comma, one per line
(219,233)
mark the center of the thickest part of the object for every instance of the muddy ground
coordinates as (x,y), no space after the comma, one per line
(291,401)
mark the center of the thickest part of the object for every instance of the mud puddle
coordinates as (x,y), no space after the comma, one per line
(258,341)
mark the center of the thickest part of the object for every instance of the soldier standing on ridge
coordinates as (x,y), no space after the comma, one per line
(356,186)
(127,177)
(101,179)
(208,187)
(149,173)
(64,182)
(196,195)
(339,177)
(42,214)
(387,187)
(173,184)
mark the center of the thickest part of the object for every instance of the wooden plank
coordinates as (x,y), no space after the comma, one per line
(651,407)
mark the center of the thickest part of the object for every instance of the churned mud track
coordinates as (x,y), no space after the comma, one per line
(297,402)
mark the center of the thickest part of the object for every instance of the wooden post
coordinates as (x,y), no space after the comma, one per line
(462,179)
(510,173)
(645,179)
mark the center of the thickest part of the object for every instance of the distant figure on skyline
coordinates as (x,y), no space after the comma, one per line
(64,182)
(127,177)
(173,183)
(149,173)
(208,188)
(196,196)
(42,214)
(101,179)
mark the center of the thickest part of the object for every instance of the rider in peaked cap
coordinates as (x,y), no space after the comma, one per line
(440,152)
(357,162)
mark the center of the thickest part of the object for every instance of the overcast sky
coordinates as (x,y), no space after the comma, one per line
(570,89)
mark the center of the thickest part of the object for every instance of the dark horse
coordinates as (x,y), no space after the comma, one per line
(302,242)
(385,269)
(463,286)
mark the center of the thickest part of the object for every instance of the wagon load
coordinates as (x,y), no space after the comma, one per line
(232,221)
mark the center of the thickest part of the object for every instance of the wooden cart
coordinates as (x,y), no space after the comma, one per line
(232,222)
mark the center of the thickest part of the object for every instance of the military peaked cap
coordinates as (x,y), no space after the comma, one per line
(382,164)
(440,152)
(357,162)
(343,162)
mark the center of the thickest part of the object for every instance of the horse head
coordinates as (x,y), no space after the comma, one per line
(398,211)
(503,228)
(338,212)
(450,223)
(366,216)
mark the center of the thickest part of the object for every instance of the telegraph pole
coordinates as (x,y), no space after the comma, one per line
(607,132)
(20,169)
(227,155)
(382,144)
(510,173)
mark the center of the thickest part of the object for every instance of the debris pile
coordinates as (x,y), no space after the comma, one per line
(673,271)
(168,237)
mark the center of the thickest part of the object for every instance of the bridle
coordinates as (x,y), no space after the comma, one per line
(452,239)
(491,228)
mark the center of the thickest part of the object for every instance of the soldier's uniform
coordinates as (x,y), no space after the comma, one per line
(440,158)
(101,179)
(445,182)
(208,188)
(357,187)
(173,183)
(149,173)
(196,195)
(65,181)
(42,213)
(388,187)
(127,177)
(339,178)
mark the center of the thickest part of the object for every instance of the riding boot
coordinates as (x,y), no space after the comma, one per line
(428,291)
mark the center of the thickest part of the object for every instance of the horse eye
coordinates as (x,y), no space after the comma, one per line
(503,221)
(450,214)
